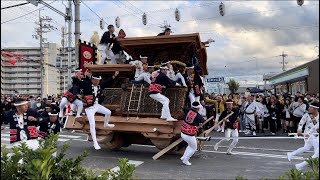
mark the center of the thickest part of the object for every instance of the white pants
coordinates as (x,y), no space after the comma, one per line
(192,146)
(308,144)
(165,112)
(143,76)
(77,102)
(192,97)
(90,112)
(178,77)
(230,133)
(31,143)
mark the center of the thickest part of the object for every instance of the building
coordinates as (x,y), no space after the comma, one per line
(304,78)
(25,76)
(62,65)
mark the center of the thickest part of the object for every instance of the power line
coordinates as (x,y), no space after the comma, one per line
(15,5)
(93,11)
(25,14)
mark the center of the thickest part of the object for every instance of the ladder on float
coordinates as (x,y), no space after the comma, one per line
(136,90)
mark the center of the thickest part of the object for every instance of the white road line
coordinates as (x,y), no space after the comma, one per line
(79,140)
(256,154)
(63,139)
(252,148)
(135,163)
(69,136)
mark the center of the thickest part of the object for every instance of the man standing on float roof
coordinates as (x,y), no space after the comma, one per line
(105,45)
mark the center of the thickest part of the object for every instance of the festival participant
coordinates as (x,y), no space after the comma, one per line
(175,76)
(189,127)
(196,86)
(73,94)
(51,125)
(142,67)
(23,124)
(311,122)
(250,111)
(231,125)
(92,90)
(219,105)
(166,32)
(161,79)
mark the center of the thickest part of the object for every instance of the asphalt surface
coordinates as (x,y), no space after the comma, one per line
(252,159)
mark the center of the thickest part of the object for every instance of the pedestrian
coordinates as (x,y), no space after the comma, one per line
(298,109)
(231,125)
(242,118)
(189,127)
(50,125)
(311,121)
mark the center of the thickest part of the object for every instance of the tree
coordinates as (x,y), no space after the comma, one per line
(233,86)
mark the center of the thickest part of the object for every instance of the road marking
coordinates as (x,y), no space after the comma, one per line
(252,148)
(69,136)
(135,163)
(256,154)
(63,139)
(79,140)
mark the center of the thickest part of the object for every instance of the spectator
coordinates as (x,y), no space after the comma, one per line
(298,110)
(242,119)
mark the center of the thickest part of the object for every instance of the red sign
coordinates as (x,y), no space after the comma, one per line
(13,58)
(87,55)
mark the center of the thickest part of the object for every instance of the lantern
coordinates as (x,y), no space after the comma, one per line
(144,19)
(177,15)
(300,2)
(117,22)
(221,9)
(102,24)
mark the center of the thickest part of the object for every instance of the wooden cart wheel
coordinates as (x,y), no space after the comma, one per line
(160,143)
(116,142)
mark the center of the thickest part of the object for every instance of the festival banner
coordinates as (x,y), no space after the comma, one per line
(87,55)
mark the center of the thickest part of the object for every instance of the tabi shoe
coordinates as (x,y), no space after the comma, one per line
(248,132)
(216,147)
(219,129)
(254,133)
(96,146)
(164,118)
(289,155)
(107,125)
(186,162)
(240,131)
(273,134)
(298,167)
(171,119)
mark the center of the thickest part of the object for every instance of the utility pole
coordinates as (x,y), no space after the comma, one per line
(69,14)
(283,62)
(43,28)
(77,28)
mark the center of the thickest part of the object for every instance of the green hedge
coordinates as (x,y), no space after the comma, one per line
(25,163)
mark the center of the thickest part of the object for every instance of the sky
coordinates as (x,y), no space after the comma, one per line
(248,39)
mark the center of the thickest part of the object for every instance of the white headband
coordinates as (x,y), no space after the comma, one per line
(192,67)
(196,107)
(314,106)
(99,78)
(77,70)
(143,57)
(22,103)
(164,67)
(50,114)
(229,102)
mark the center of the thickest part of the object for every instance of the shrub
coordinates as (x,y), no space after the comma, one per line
(25,163)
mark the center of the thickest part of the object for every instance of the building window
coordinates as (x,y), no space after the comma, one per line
(298,86)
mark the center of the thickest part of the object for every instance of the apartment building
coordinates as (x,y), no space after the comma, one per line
(25,75)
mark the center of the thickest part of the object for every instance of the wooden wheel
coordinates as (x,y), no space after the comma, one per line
(161,143)
(115,143)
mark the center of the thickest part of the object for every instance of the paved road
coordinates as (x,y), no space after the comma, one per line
(253,159)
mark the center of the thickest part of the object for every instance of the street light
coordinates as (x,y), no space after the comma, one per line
(256,71)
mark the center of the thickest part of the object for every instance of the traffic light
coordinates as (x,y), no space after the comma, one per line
(102,24)
(117,22)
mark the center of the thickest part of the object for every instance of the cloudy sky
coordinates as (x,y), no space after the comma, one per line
(249,38)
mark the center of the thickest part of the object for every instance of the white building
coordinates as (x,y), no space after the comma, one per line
(24,76)
(62,65)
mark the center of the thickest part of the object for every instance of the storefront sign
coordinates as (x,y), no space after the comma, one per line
(218,79)
(290,76)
